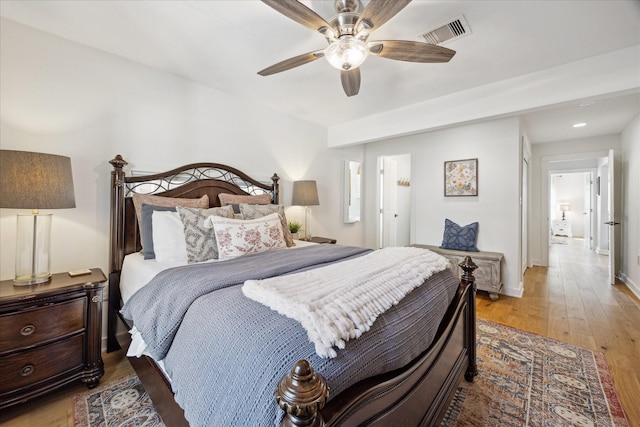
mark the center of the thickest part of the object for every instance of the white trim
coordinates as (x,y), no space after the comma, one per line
(602,251)
(634,288)
(510,292)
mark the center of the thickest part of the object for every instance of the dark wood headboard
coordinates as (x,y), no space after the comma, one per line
(189,181)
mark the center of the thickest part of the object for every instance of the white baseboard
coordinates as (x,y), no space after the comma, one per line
(511,292)
(602,251)
(634,288)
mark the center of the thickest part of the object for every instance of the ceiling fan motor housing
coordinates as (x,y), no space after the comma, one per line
(344,24)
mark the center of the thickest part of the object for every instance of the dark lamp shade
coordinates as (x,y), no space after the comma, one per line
(305,193)
(35,181)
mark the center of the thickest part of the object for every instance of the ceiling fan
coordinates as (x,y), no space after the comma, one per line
(347,34)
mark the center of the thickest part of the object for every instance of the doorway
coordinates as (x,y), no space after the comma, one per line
(571,196)
(591,223)
(394,182)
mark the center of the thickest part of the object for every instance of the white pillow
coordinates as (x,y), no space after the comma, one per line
(168,237)
(237,237)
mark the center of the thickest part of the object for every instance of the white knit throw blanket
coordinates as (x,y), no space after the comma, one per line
(340,301)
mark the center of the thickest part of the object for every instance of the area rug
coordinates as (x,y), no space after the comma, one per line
(121,403)
(525,379)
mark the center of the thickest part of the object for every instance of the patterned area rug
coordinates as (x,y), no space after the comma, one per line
(528,380)
(524,380)
(122,403)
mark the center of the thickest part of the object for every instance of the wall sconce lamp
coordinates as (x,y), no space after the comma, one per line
(305,193)
(34,181)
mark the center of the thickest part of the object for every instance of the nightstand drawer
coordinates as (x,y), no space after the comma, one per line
(22,369)
(43,324)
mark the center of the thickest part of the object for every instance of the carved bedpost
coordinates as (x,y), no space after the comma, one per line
(117,213)
(301,394)
(117,244)
(276,188)
(467,279)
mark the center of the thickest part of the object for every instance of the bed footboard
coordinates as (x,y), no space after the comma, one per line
(417,395)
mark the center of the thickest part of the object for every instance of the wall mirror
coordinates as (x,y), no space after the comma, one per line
(352,175)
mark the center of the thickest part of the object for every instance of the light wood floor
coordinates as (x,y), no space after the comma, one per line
(569,301)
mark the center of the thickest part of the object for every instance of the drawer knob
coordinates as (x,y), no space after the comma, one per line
(27,330)
(27,370)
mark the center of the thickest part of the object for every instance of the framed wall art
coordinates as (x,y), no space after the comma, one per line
(461,177)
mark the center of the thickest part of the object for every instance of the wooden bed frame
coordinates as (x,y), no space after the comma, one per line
(417,394)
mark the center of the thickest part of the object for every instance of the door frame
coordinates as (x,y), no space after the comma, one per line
(379,197)
(544,187)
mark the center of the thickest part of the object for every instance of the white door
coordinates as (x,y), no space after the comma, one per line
(588,185)
(389,202)
(611,221)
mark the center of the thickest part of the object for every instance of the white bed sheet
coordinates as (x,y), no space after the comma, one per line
(137,272)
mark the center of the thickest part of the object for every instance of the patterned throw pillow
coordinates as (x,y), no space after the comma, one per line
(258,211)
(235,200)
(200,240)
(238,237)
(460,238)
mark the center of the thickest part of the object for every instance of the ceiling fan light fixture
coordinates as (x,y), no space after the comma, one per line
(347,53)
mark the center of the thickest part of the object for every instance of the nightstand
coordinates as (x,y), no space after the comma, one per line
(318,239)
(562,227)
(51,335)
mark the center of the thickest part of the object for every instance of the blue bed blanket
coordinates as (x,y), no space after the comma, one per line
(225,353)
(171,292)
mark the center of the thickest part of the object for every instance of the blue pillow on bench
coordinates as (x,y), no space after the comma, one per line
(460,238)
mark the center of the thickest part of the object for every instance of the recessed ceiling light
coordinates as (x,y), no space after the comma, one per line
(579,125)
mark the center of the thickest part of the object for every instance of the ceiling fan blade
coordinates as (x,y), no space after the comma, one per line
(403,50)
(300,13)
(351,81)
(378,12)
(290,63)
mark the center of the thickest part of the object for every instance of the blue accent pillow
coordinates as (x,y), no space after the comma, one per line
(460,238)
(146,229)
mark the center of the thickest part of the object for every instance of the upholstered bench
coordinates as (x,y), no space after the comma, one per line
(488,275)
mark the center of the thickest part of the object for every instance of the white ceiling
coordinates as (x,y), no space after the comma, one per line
(223,44)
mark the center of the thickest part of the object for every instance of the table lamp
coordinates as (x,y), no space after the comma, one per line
(305,193)
(34,181)
(565,207)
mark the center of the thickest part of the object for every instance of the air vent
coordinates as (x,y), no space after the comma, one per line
(446,32)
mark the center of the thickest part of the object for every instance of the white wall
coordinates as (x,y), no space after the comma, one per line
(65,98)
(630,142)
(496,145)
(569,188)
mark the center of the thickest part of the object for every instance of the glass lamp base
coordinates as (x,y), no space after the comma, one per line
(33,243)
(31,280)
